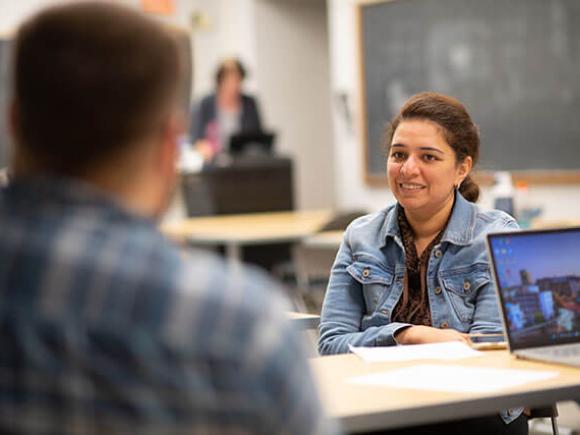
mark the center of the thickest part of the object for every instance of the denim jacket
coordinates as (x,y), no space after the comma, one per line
(367,280)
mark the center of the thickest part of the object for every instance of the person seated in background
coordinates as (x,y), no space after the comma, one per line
(105,327)
(417,271)
(225,112)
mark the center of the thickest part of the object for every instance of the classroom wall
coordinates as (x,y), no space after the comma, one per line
(350,190)
(292,71)
(558,201)
(226,28)
(12,12)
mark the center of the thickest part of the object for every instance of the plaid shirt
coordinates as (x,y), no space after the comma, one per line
(106,328)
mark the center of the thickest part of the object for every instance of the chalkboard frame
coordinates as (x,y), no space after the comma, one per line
(483,177)
(5,142)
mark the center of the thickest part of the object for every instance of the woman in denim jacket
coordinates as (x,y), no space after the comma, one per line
(417,271)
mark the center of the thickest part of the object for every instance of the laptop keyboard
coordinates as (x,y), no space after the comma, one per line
(567,351)
(572,351)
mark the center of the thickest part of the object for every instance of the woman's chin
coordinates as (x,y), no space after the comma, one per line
(412,197)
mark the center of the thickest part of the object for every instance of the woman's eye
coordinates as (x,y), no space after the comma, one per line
(398,155)
(429,157)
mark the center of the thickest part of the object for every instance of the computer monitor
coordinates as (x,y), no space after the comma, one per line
(256,143)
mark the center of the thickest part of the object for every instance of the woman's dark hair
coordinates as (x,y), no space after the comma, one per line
(227,66)
(457,127)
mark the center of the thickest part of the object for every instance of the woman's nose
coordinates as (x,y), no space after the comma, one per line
(410,167)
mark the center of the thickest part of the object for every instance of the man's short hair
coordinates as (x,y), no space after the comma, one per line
(90,80)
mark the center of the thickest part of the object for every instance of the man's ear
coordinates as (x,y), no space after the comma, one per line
(12,118)
(169,145)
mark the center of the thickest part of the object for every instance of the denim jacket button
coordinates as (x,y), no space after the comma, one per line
(437,290)
(466,285)
(366,272)
(438,253)
(444,325)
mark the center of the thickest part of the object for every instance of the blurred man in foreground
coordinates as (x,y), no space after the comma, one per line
(104,326)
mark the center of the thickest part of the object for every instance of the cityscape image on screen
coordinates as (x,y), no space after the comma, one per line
(539,279)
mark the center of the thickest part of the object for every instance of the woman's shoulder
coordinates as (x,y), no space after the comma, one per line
(208,99)
(491,221)
(494,219)
(248,99)
(372,224)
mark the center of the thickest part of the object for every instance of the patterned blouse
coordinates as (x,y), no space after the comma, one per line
(413,307)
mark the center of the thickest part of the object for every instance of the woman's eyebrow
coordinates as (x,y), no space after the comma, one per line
(437,150)
(432,149)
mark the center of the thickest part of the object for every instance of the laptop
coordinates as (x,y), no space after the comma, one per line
(254,143)
(537,277)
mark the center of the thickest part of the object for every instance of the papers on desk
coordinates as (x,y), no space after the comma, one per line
(440,351)
(453,378)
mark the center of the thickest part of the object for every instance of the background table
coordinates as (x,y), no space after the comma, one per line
(234,231)
(303,321)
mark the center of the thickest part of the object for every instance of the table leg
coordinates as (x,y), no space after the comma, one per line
(234,254)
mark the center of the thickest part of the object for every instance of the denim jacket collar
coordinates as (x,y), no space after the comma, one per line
(459,229)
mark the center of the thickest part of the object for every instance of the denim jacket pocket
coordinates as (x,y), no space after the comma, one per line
(462,286)
(375,283)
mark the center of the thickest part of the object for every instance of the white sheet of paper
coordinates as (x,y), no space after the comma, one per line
(453,378)
(440,351)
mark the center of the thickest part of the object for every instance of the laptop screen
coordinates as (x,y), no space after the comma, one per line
(537,274)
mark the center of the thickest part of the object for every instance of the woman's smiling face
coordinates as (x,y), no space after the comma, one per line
(422,167)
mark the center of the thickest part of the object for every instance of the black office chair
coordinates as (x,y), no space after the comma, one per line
(311,265)
(550,412)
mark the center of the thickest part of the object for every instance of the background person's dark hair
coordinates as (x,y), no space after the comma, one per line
(226,66)
(90,79)
(456,125)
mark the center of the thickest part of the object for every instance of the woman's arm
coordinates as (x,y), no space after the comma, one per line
(343,311)
(419,334)
(201,115)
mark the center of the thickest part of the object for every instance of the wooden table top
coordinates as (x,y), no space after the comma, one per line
(369,407)
(248,228)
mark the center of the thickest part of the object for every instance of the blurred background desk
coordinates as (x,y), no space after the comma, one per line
(303,321)
(235,231)
(240,185)
(244,184)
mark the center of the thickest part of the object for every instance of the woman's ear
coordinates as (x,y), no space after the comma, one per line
(463,170)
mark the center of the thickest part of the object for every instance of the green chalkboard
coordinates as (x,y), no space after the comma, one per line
(514,63)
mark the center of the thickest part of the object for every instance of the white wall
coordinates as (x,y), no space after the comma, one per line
(350,190)
(13,12)
(292,72)
(558,202)
(229,30)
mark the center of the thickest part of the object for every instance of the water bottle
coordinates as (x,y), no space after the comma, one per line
(526,209)
(503,192)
